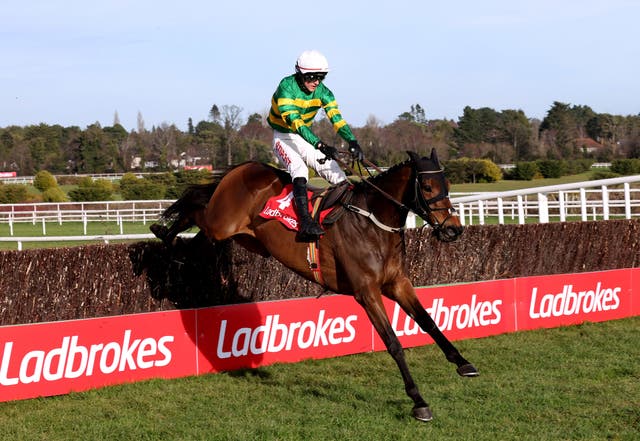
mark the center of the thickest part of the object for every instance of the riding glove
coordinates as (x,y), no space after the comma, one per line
(356,151)
(329,151)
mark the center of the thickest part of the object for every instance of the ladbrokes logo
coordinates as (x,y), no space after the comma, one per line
(568,302)
(274,336)
(471,315)
(72,360)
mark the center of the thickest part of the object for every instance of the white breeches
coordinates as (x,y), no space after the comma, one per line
(297,155)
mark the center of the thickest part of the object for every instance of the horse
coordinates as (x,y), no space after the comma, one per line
(361,252)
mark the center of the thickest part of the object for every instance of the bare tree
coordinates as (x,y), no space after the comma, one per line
(141,128)
(232,123)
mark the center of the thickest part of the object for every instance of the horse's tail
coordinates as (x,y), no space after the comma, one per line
(179,216)
(195,198)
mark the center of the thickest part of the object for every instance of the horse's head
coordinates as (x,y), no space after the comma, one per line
(431,197)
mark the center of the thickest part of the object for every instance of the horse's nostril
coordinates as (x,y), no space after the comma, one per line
(450,233)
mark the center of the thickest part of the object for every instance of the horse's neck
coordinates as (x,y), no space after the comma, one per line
(388,207)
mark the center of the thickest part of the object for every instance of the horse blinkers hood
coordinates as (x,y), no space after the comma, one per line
(422,206)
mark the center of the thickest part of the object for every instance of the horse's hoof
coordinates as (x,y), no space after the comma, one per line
(467,370)
(422,414)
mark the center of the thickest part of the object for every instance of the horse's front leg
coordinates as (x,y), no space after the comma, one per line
(371,301)
(404,294)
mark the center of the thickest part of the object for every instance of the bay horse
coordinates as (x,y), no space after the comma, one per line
(361,253)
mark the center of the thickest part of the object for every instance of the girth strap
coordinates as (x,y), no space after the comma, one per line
(313,250)
(313,257)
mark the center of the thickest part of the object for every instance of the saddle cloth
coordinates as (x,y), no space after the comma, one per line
(281,208)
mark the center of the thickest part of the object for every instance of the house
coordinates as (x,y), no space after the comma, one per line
(588,145)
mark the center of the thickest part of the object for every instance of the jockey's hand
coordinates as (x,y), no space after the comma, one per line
(329,151)
(356,151)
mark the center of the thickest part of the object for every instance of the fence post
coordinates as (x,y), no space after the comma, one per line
(461,213)
(481,212)
(411,220)
(605,202)
(543,208)
(500,212)
(520,210)
(562,207)
(627,201)
(583,204)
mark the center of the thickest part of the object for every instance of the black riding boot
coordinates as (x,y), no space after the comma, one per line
(309,230)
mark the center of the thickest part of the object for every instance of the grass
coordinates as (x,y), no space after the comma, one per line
(573,383)
(519,185)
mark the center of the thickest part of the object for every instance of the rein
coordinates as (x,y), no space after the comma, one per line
(422,205)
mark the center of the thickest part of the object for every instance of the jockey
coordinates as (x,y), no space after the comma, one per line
(294,105)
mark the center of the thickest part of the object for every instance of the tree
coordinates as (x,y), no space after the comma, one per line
(140,123)
(560,129)
(214,114)
(90,190)
(581,116)
(516,128)
(477,126)
(43,180)
(416,114)
(232,122)
(257,137)
(54,194)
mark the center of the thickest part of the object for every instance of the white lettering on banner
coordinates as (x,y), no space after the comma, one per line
(274,336)
(72,360)
(475,314)
(568,302)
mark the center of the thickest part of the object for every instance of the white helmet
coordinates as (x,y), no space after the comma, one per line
(312,62)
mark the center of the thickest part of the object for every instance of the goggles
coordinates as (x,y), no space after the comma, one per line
(312,77)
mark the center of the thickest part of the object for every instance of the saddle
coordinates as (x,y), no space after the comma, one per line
(332,198)
(327,204)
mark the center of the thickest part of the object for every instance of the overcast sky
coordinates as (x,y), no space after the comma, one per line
(75,62)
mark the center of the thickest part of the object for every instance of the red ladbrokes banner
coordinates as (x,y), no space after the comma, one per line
(60,357)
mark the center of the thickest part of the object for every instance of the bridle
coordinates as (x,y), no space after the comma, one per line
(420,206)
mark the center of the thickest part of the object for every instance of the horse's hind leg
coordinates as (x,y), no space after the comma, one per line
(372,304)
(404,294)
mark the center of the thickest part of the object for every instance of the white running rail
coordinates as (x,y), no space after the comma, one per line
(590,200)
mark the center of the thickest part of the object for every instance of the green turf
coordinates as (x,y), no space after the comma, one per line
(572,383)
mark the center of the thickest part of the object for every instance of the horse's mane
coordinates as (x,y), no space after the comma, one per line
(383,175)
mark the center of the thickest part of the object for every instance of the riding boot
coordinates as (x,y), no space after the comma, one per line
(309,230)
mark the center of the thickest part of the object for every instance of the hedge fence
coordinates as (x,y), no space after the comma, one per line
(101,280)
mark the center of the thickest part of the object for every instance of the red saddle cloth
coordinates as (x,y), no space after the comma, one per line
(280,207)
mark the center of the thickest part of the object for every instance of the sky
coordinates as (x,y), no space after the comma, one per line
(77,62)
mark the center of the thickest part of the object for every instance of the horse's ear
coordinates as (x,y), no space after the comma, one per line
(434,157)
(413,155)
